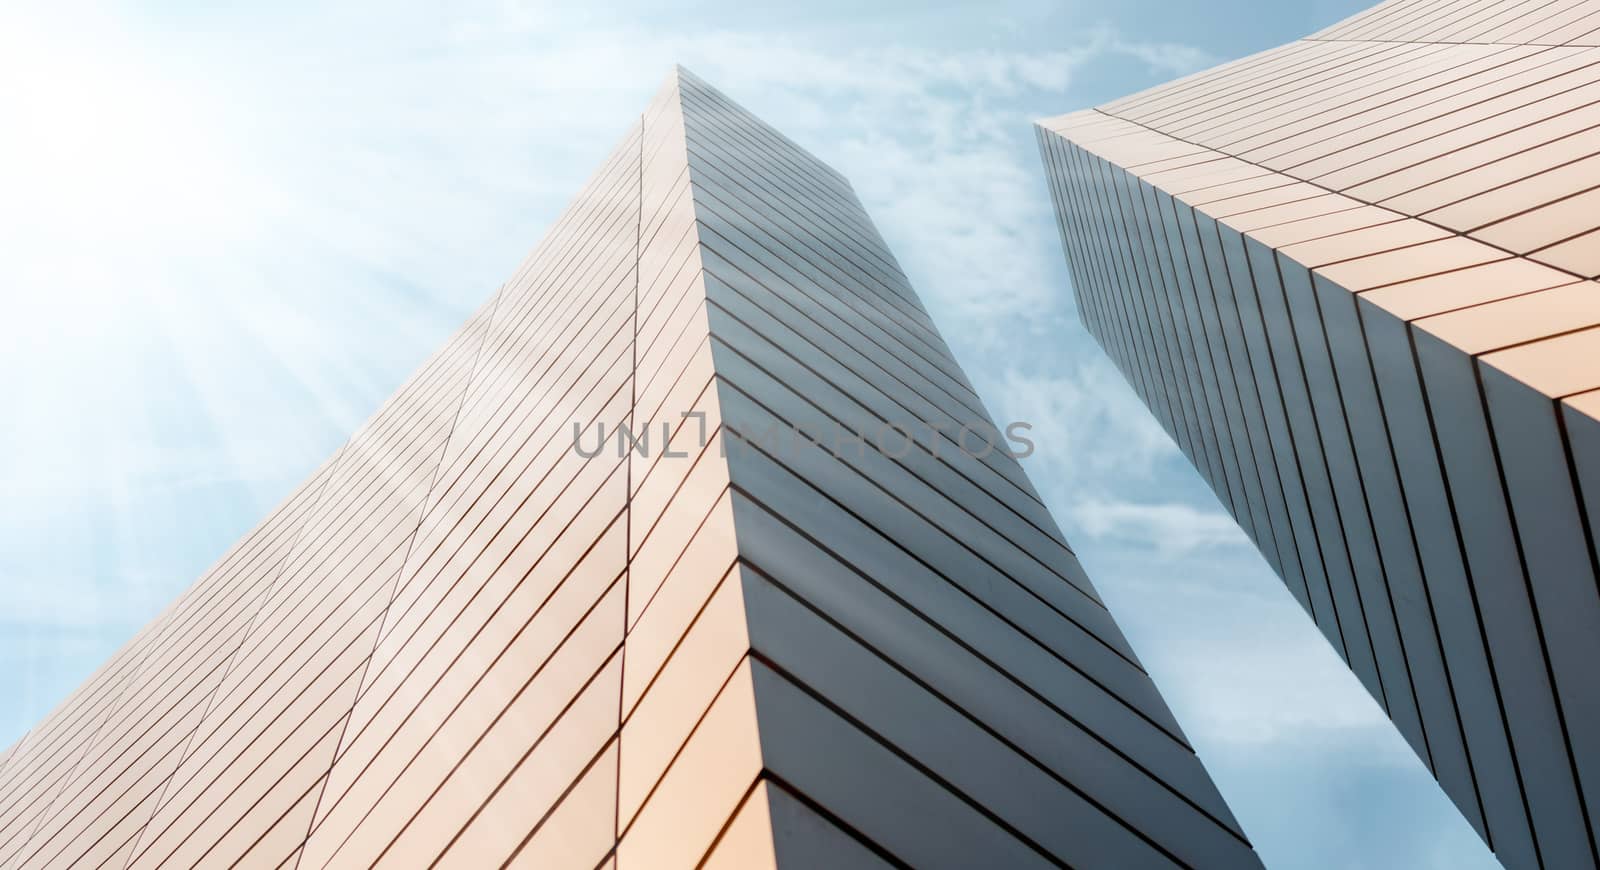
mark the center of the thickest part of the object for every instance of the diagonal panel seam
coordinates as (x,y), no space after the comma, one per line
(206,711)
(422,515)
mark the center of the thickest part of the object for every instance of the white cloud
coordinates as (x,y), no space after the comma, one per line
(1173,529)
(1268,681)
(1091,429)
(1167,58)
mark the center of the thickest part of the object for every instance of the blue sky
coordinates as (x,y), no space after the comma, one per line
(231,229)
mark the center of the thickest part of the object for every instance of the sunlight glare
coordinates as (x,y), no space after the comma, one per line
(113,177)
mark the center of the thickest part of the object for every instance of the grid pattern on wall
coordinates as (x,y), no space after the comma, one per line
(485,634)
(1354,278)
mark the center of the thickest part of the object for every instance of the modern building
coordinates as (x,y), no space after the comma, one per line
(795,613)
(1354,278)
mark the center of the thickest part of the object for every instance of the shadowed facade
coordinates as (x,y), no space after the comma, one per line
(1354,278)
(491,632)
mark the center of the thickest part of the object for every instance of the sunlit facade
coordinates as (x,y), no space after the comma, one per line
(566,601)
(1354,278)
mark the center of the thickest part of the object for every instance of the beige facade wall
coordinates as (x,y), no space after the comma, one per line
(1355,279)
(469,641)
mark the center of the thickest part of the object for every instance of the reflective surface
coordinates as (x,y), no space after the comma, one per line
(1354,277)
(487,635)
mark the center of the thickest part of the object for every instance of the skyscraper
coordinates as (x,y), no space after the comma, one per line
(693,545)
(1354,277)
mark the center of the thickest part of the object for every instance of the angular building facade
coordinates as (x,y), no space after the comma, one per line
(1354,278)
(748,630)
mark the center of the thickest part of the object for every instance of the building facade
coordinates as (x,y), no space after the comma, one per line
(679,553)
(1354,278)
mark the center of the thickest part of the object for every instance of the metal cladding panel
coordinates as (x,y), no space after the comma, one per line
(564,602)
(1355,277)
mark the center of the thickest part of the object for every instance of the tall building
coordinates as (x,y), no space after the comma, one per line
(688,548)
(1354,277)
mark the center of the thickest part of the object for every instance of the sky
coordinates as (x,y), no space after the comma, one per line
(229,230)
